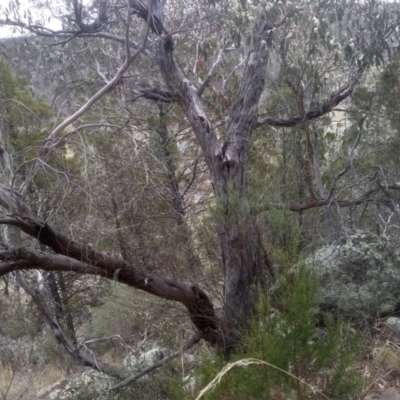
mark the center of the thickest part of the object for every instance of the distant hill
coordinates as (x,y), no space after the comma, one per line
(28,56)
(46,67)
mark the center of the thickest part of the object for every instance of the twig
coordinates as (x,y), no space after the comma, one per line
(192,341)
(211,72)
(94,99)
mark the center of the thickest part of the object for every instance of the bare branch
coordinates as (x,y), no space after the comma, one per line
(190,101)
(210,74)
(83,259)
(337,177)
(317,165)
(102,76)
(45,149)
(243,115)
(27,259)
(84,358)
(187,345)
(333,100)
(8,266)
(155,23)
(155,95)
(364,199)
(96,26)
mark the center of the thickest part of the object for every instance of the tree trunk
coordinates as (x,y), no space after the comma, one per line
(240,251)
(178,208)
(226,161)
(241,264)
(227,166)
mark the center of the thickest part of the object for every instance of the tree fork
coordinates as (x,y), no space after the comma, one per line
(227,163)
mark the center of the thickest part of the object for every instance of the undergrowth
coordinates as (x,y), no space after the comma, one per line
(289,351)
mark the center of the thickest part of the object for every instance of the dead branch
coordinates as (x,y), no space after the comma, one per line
(84,358)
(334,99)
(187,345)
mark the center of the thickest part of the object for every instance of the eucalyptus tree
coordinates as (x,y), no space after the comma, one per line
(373,134)
(220,64)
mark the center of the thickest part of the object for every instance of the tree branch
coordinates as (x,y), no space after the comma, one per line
(210,74)
(83,259)
(47,145)
(155,95)
(326,107)
(242,118)
(383,200)
(84,358)
(27,259)
(99,23)
(187,345)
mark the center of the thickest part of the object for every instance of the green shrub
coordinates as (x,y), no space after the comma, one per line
(293,355)
(48,351)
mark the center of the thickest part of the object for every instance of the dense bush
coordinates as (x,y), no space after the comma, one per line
(288,353)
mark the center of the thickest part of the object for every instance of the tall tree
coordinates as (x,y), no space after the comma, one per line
(319,51)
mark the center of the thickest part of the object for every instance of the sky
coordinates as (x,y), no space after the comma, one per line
(25,6)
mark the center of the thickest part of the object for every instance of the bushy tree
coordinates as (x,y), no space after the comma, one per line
(233,74)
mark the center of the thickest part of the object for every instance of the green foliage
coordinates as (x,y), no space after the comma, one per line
(117,314)
(305,360)
(281,229)
(18,317)
(24,115)
(48,350)
(230,208)
(158,389)
(388,91)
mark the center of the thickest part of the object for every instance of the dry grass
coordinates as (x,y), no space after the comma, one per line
(244,363)
(382,369)
(23,385)
(6,379)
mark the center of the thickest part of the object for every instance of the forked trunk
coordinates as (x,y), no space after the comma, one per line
(227,165)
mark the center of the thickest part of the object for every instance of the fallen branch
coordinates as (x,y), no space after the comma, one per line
(187,345)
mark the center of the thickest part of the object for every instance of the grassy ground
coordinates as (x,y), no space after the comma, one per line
(24,385)
(381,369)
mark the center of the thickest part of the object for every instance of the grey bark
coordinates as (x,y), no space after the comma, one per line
(227,165)
(226,161)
